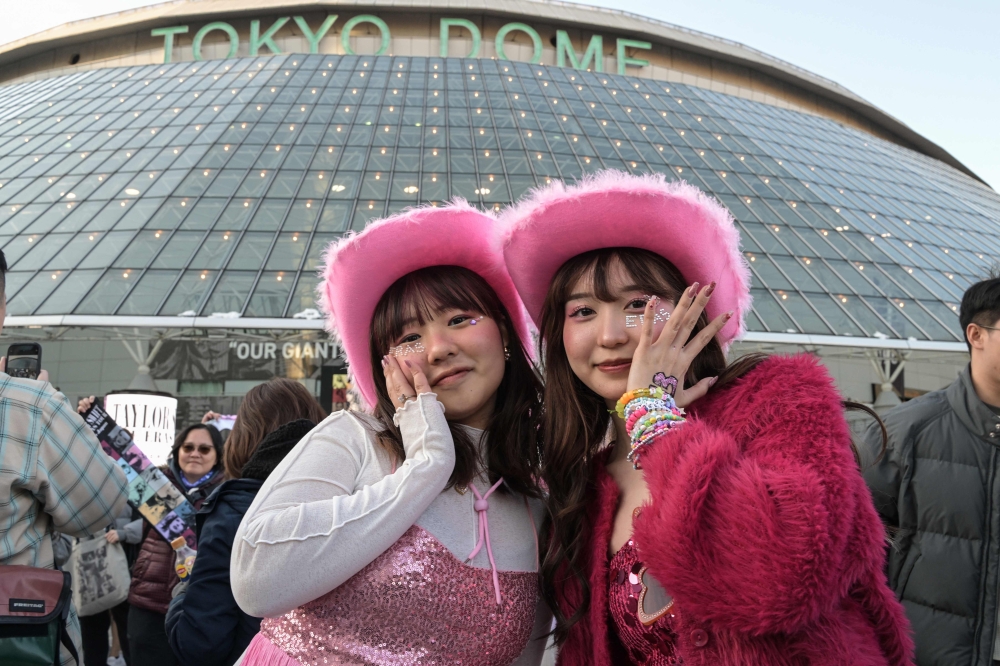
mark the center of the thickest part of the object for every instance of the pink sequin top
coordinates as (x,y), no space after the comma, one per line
(416,603)
(652,645)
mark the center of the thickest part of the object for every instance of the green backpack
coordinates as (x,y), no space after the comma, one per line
(34,607)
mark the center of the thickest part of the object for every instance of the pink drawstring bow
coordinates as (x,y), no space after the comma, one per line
(481,506)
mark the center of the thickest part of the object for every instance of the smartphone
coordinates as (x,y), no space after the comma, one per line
(24,360)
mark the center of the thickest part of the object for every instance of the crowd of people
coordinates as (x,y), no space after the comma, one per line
(618,491)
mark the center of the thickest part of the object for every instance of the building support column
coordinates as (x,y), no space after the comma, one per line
(882,360)
(142,380)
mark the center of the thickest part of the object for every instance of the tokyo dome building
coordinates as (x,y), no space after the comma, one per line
(170,176)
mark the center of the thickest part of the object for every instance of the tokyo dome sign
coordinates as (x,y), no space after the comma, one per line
(262,40)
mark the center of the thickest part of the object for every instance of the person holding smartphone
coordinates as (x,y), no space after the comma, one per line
(54,477)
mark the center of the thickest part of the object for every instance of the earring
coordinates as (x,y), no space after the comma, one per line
(506,353)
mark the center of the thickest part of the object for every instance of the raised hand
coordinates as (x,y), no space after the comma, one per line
(667,352)
(84,404)
(403,385)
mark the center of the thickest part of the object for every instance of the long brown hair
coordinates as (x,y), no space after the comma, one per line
(264,409)
(512,432)
(572,441)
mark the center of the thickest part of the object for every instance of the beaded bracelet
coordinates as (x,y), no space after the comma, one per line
(631,395)
(649,404)
(649,420)
(652,421)
(637,447)
(632,418)
(648,414)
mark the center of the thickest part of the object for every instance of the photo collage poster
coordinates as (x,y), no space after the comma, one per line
(149,490)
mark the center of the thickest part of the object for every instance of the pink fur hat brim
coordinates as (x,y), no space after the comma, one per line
(615,209)
(359,268)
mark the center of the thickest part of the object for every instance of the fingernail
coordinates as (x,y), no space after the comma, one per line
(711,288)
(408,364)
(712,381)
(729,315)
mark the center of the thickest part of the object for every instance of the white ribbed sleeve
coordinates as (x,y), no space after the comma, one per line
(316,521)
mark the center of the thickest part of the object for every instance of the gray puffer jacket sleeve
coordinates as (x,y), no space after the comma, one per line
(130,532)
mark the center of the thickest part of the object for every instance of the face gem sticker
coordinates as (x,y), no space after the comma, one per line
(408,348)
(635,321)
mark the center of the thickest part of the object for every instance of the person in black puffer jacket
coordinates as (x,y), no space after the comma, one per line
(938,487)
(204,625)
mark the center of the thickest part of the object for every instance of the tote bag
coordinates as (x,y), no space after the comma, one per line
(100,575)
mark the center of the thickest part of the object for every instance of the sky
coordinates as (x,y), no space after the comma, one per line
(933,65)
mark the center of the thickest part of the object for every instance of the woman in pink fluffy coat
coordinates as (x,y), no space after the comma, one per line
(703,513)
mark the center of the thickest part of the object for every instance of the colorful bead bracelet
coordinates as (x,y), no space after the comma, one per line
(648,415)
(656,393)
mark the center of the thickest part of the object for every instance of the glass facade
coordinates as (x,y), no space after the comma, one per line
(212,187)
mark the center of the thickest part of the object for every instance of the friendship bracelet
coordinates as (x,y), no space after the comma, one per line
(662,402)
(649,404)
(637,447)
(648,421)
(636,414)
(655,431)
(648,414)
(631,395)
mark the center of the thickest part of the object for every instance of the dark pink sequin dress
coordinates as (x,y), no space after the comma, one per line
(652,645)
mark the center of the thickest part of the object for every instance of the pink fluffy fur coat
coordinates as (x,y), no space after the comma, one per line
(761,527)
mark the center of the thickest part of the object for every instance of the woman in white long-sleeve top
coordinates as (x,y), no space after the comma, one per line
(407,535)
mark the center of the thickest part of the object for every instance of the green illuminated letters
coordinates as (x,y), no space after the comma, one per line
(595,52)
(314,38)
(345,36)
(257,40)
(526,29)
(168,39)
(234,39)
(592,58)
(625,60)
(447,23)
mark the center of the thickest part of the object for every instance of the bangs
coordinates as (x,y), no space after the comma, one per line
(643,270)
(420,295)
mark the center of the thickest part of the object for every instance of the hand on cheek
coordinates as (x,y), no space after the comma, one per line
(404,379)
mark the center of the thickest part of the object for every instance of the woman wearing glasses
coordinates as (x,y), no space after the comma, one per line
(195,467)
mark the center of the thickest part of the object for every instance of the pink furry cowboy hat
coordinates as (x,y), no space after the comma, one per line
(361,267)
(614,209)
